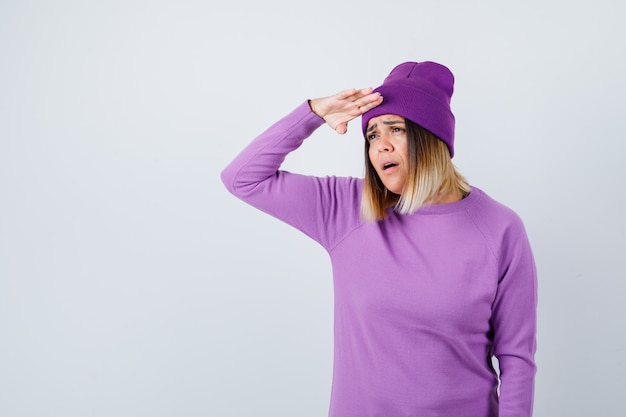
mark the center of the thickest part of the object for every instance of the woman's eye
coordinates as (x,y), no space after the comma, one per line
(371,137)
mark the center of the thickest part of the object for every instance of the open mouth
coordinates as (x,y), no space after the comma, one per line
(389,165)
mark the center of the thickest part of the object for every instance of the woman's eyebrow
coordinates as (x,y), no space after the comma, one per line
(372,127)
(385,122)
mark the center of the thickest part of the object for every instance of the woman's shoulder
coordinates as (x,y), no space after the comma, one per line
(493,216)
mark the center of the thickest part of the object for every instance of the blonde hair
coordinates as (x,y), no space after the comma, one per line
(431,175)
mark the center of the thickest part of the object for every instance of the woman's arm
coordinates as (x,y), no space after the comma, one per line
(305,202)
(514,319)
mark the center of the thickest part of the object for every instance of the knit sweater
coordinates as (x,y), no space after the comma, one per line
(422,301)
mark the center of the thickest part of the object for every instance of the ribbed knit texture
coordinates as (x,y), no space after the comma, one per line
(422,301)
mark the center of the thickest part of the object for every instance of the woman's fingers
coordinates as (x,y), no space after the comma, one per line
(345,94)
(369,102)
(353,95)
(341,108)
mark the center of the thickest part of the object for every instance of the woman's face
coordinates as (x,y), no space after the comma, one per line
(388,151)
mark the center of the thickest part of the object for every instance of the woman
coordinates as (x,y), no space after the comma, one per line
(432,277)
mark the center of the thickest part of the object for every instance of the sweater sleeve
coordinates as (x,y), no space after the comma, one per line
(319,207)
(514,322)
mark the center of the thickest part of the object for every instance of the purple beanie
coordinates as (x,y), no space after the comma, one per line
(420,92)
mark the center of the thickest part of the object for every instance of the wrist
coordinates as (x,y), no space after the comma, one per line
(313,104)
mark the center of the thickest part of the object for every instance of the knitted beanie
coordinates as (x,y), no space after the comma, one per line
(420,92)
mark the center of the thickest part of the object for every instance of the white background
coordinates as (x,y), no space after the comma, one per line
(133,284)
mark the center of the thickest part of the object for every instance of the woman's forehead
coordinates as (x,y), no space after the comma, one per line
(384,119)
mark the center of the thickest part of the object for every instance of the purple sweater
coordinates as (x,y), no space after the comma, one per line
(422,301)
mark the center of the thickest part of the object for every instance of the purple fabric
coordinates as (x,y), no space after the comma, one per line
(420,92)
(422,301)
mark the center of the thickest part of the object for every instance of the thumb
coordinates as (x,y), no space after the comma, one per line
(341,128)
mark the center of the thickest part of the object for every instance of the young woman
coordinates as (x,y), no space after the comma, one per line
(432,277)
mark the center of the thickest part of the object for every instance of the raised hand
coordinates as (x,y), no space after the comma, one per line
(337,110)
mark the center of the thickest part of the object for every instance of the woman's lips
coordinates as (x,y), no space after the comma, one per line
(389,167)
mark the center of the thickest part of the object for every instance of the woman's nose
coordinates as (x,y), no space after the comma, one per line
(384,144)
